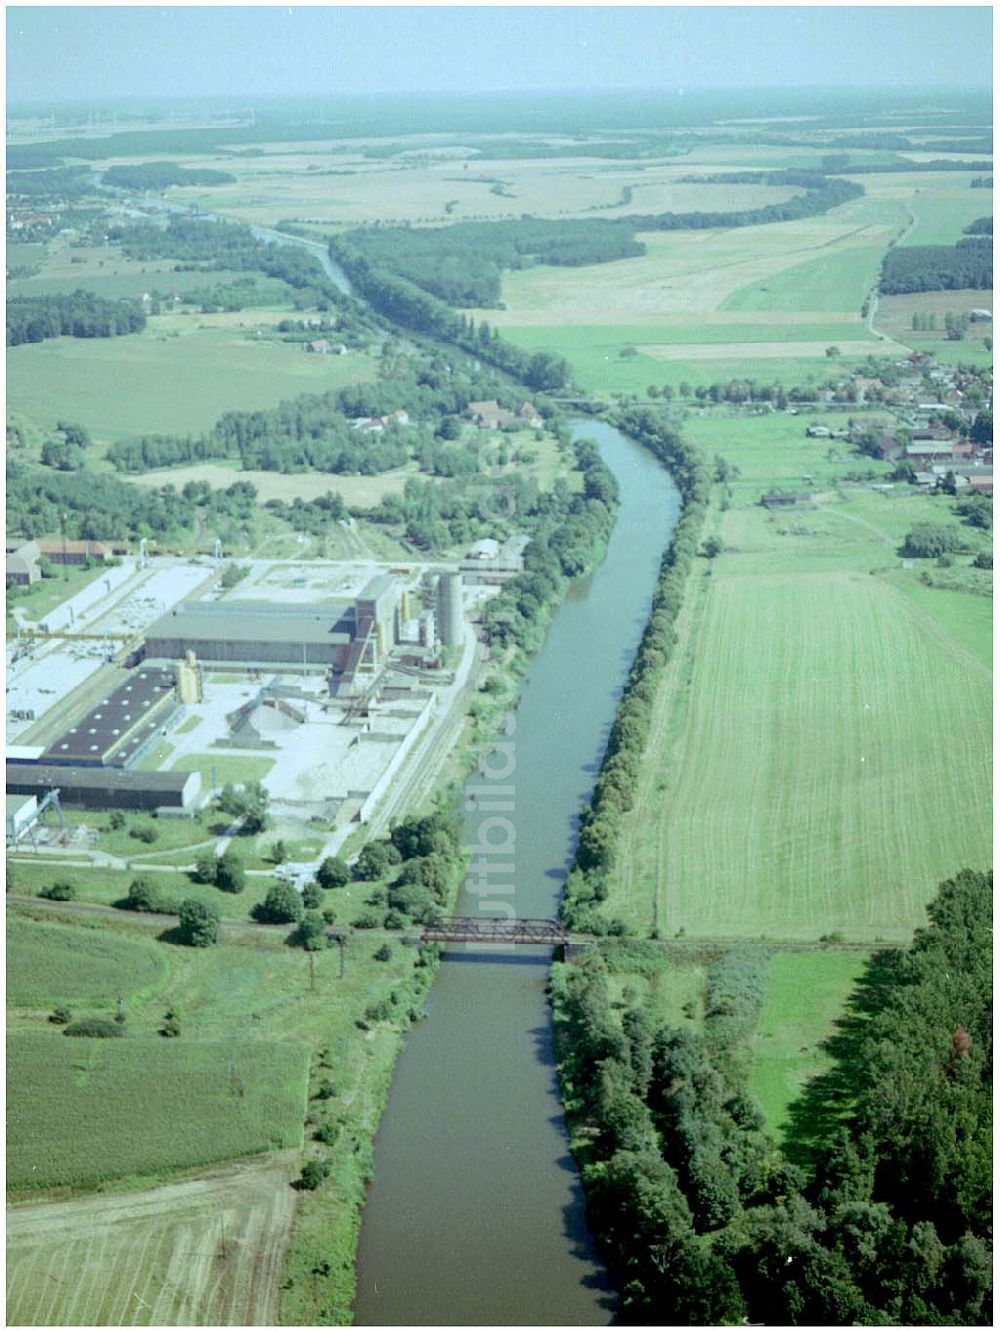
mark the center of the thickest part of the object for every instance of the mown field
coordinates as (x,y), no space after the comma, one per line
(172,378)
(803,777)
(207,1252)
(806,994)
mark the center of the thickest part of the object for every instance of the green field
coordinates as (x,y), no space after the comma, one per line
(104,887)
(803,775)
(155,382)
(136,281)
(226,766)
(594,353)
(837,281)
(48,964)
(806,993)
(81,1111)
(944,211)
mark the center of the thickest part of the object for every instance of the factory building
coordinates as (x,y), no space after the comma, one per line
(115,729)
(106,787)
(255,633)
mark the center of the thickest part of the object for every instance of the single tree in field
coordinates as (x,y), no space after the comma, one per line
(199,923)
(333,872)
(282,905)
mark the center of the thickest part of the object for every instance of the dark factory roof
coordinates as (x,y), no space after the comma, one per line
(30,777)
(121,722)
(256,621)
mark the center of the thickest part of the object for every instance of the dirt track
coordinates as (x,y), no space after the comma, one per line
(208,1251)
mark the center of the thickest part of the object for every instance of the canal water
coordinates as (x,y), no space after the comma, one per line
(476,1212)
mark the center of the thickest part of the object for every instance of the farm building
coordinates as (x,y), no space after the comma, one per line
(785,499)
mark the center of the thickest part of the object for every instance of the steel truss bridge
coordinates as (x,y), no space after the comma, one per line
(490,929)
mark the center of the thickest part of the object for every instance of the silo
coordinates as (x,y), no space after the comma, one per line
(449,616)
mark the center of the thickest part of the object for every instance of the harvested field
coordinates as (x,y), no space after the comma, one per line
(348,190)
(205,1252)
(765,350)
(685,273)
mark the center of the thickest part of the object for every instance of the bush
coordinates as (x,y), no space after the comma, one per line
(205,867)
(97,1028)
(327,1133)
(383,953)
(144,895)
(60,890)
(60,1016)
(312,932)
(375,860)
(282,905)
(928,540)
(116,820)
(229,873)
(369,919)
(312,896)
(171,1028)
(145,832)
(313,1174)
(333,872)
(199,923)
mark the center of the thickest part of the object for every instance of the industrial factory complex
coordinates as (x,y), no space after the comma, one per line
(327,678)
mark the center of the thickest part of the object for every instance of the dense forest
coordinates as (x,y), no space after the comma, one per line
(462,264)
(937,268)
(63,182)
(403,302)
(882,1217)
(206,246)
(160,175)
(80,314)
(99,507)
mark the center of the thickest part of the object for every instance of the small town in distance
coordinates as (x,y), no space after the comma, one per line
(499,648)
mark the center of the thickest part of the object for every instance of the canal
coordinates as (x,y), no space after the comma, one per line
(476,1212)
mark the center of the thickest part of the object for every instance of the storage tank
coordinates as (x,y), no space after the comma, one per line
(449,609)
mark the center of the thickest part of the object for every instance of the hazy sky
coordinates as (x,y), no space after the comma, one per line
(99,52)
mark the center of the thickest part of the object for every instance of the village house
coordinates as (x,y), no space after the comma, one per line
(22,565)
